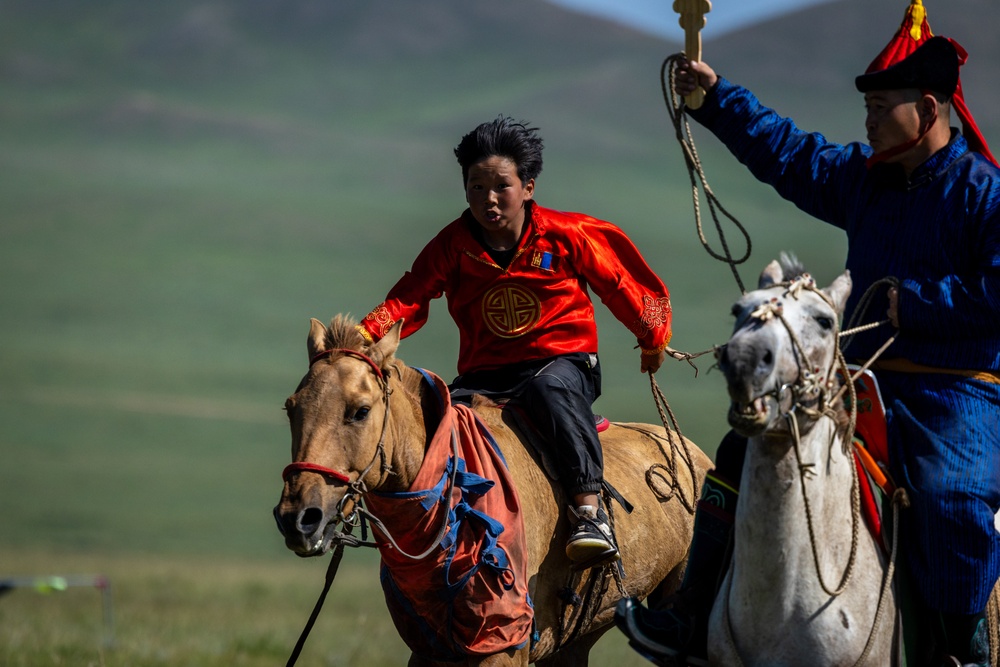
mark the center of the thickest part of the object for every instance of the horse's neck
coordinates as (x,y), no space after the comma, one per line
(412,423)
(775,606)
(772,533)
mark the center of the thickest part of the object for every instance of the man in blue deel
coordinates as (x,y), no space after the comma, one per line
(921,203)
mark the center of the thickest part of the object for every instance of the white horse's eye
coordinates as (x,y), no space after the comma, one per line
(825,322)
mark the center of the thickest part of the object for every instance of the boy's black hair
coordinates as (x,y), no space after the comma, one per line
(503,137)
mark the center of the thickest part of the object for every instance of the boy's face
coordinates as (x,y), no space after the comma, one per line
(496,197)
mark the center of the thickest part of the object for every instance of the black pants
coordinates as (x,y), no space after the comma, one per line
(557,393)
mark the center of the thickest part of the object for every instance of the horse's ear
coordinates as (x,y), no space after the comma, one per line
(771,275)
(316,343)
(385,349)
(839,290)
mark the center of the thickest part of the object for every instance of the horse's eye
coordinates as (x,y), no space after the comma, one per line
(289,406)
(736,310)
(825,323)
(359,415)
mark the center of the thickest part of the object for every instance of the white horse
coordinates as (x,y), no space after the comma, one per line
(806,581)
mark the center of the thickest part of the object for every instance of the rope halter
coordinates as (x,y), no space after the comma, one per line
(812,384)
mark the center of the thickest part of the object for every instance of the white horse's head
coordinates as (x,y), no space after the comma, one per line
(783,349)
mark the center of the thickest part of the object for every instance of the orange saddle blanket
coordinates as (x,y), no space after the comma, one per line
(469,596)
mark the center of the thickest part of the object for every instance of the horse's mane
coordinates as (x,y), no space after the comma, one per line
(791,267)
(343,333)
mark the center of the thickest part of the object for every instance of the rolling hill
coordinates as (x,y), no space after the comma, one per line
(184,184)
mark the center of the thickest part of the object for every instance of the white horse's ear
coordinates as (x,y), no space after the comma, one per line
(771,275)
(316,343)
(385,349)
(839,290)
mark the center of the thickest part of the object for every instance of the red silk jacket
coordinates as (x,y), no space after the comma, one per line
(537,307)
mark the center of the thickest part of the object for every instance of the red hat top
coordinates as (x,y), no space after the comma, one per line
(915,58)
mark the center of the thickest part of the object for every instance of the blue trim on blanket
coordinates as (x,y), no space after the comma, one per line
(429,379)
(488,435)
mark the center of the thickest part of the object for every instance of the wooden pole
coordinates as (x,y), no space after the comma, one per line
(692,19)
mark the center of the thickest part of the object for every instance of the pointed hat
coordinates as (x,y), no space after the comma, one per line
(915,58)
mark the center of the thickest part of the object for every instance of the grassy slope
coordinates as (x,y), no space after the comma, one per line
(182,186)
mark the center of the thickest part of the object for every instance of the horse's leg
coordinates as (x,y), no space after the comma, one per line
(576,654)
(510,658)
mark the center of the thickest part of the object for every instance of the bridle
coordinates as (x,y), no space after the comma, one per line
(811,386)
(356,488)
(356,512)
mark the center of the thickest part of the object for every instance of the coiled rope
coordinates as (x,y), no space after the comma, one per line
(682,129)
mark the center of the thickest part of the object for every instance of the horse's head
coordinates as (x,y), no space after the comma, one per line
(338,417)
(784,345)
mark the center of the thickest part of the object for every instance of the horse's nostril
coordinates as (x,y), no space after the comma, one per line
(277,519)
(768,359)
(309,520)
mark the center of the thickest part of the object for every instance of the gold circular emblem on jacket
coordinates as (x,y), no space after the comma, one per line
(511,310)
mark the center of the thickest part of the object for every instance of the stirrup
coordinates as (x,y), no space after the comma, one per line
(609,556)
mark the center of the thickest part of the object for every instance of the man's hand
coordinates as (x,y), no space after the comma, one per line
(690,75)
(893,312)
(650,363)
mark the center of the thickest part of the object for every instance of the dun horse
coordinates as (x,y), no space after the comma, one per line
(342,420)
(807,581)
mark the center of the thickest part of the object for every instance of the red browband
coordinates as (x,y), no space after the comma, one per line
(350,353)
(304,466)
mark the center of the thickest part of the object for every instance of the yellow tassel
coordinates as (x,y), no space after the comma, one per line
(917,14)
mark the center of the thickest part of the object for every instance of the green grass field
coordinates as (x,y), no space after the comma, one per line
(194,611)
(208,612)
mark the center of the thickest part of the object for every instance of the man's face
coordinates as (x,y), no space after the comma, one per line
(892,118)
